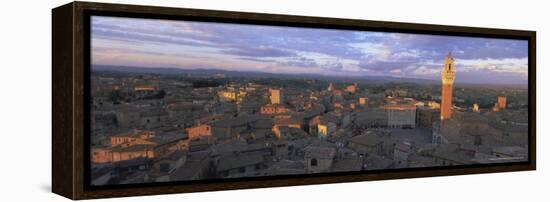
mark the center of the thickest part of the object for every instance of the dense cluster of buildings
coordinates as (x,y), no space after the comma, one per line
(154,129)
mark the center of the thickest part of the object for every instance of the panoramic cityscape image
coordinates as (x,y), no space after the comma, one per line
(175,100)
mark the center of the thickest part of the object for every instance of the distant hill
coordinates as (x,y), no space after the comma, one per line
(207,72)
(250,74)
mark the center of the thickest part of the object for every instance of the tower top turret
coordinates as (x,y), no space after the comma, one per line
(448,71)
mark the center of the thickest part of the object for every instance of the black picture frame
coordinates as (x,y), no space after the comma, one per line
(71,84)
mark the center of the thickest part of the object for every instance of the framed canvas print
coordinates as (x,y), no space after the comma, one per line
(154,100)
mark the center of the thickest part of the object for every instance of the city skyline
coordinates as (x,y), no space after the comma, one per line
(270,49)
(227,118)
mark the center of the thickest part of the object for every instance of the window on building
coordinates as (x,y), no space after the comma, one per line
(313,162)
(477,140)
(258,166)
(164,167)
(242,169)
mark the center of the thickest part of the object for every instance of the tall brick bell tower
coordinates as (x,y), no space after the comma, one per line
(447,81)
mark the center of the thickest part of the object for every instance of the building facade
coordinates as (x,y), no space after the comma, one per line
(401,115)
(275,96)
(502,102)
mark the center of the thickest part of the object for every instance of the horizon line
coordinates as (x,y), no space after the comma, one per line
(305,74)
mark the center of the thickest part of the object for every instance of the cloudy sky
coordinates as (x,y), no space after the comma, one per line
(195,45)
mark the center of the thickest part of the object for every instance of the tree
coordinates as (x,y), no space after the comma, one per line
(115,96)
(161,94)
